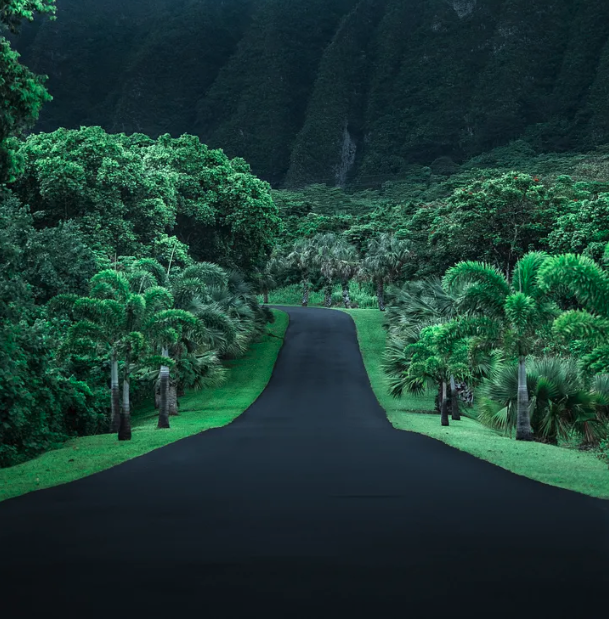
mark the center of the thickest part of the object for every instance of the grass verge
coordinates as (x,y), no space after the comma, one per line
(575,470)
(199,411)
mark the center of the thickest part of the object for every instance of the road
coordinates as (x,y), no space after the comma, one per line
(308,505)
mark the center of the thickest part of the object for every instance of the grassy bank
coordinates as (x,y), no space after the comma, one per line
(199,411)
(558,466)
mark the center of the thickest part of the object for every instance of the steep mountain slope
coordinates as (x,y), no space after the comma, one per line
(332,90)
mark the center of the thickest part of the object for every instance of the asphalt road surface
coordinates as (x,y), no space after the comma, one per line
(308,505)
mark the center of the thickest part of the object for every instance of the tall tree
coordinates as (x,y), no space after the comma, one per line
(517,309)
(264,278)
(383,263)
(336,260)
(301,258)
(172,199)
(122,322)
(427,360)
(587,282)
(180,323)
(418,304)
(22,93)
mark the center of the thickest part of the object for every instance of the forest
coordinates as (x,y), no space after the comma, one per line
(160,190)
(331,91)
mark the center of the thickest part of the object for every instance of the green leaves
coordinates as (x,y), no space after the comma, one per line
(157,299)
(334,257)
(577,324)
(22,94)
(520,311)
(385,258)
(522,305)
(559,399)
(109,284)
(427,360)
(13,11)
(581,277)
(585,228)
(162,199)
(491,280)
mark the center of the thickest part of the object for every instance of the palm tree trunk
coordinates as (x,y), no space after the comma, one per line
(454,400)
(305,293)
(164,403)
(328,295)
(380,294)
(346,297)
(523,422)
(115,420)
(124,430)
(173,398)
(444,407)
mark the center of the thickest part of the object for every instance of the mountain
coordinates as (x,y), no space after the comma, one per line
(335,91)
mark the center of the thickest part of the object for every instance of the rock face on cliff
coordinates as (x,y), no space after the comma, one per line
(331,90)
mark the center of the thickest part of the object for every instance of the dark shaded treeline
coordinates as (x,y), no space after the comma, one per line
(331,90)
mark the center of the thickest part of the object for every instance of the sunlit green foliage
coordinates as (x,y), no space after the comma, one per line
(21,92)
(132,195)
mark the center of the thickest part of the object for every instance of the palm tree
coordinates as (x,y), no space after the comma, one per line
(514,310)
(336,260)
(172,325)
(428,359)
(418,304)
(588,282)
(264,279)
(165,328)
(102,329)
(324,261)
(111,317)
(561,401)
(346,267)
(301,258)
(383,263)
(194,366)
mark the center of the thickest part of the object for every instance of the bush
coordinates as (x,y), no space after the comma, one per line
(603,450)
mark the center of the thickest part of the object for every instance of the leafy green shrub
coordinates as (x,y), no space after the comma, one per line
(603,449)
(560,401)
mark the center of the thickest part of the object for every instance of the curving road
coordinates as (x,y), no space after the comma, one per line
(308,505)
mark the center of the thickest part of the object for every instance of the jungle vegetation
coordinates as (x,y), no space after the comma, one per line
(331,91)
(137,256)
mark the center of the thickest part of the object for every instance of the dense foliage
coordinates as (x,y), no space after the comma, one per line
(131,258)
(69,327)
(132,195)
(22,93)
(493,292)
(120,259)
(334,90)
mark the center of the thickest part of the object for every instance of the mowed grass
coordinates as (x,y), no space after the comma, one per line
(580,471)
(199,411)
(363,296)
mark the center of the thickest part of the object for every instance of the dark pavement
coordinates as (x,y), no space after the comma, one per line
(308,505)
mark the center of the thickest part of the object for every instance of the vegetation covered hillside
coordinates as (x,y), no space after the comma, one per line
(139,243)
(336,91)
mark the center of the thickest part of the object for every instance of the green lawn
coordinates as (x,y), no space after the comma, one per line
(558,466)
(199,411)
